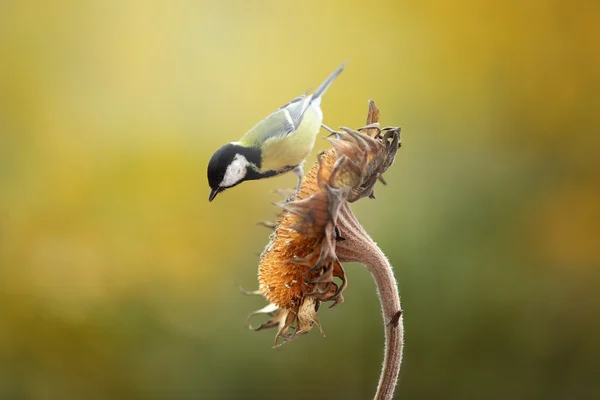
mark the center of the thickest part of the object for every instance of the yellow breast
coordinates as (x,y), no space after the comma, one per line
(291,150)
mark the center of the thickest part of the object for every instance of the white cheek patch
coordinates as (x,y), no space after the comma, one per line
(236,171)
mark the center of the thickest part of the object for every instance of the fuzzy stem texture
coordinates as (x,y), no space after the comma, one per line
(359,247)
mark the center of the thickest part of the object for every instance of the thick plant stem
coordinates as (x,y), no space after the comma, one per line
(359,247)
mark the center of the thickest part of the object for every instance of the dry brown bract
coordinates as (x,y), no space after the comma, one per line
(298,266)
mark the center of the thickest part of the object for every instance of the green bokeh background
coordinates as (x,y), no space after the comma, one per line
(118,280)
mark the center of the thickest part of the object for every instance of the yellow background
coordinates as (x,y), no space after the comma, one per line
(119,280)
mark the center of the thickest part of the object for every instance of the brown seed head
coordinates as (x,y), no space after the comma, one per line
(298,266)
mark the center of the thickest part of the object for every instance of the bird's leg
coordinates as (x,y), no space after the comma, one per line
(299,171)
(327,128)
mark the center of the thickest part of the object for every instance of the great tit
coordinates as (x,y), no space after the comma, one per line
(277,144)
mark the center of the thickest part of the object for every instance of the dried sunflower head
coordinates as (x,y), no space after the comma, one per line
(298,266)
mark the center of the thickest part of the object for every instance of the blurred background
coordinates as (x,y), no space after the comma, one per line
(119,280)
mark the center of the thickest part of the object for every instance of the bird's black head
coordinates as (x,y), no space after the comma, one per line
(231,165)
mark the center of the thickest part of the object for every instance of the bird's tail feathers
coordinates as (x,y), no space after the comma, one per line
(320,91)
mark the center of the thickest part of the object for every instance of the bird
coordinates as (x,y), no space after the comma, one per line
(277,144)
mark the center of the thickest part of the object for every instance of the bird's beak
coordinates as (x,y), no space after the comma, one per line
(213,193)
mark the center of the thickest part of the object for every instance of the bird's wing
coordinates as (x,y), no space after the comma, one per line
(297,107)
(285,120)
(281,123)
